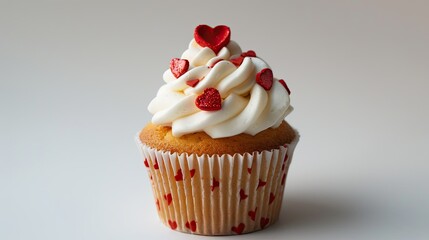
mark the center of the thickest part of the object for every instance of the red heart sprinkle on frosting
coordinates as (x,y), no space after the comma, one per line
(243,195)
(193,82)
(215,184)
(214,38)
(173,224)
(210,100)
(238,229)
(249,53)
(264,222)
(272,197)
(191,225)
(146,163)
(252,214)
(284,85)
(237,61)
(179,66)
(168,198)
(265,78)
(179,175)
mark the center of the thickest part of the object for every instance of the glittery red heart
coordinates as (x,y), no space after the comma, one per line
(265,78)
(192,172)
(214,38)
(209,100)
(238,229)
(193,82)
(237,61)
(191,225)
(168,198)
(264,222)
(252,214)
(282,82)
(272,197)
(243,195)
(261,184)
(173,224)
(146,163)
(215,184)
(179,66)
(179,175)
(249,53)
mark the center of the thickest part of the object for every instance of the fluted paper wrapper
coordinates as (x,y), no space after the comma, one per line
(218,194)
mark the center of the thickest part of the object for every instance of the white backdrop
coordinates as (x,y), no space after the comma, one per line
(76,77)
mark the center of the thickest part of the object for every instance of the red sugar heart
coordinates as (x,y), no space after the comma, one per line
(173,224)
(282,82)
(284,179)
(214,38)
(179,175)
(264,222)
(210,100)
(265,78)
(192,172)
(243,195)
(179,66)
(252,214)
(272,197)
(249,53)
(191,225)
(215,184)
(261,184)
(237,61)
(249,170)
(168,198)
(146,163)
(238,229)
(193,82)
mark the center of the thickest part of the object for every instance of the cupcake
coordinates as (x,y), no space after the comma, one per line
(218,147)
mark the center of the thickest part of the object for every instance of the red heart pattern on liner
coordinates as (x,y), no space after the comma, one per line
(179,66)
(146,163)
(252,214)
(192,172)
(272,198)
(261,184)
(179,175)
(265,78)
(209,100)
(191,225)
(173,224)
(238,229)
(243,195)
(264,222)
(168,198)
(215,38)
(156,166)
(215,184)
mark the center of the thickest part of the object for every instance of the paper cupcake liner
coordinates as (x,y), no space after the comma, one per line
(218,194)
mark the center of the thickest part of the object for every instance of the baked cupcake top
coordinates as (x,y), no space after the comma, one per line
(216,88)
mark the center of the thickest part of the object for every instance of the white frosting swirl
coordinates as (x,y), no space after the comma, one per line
(246,106)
